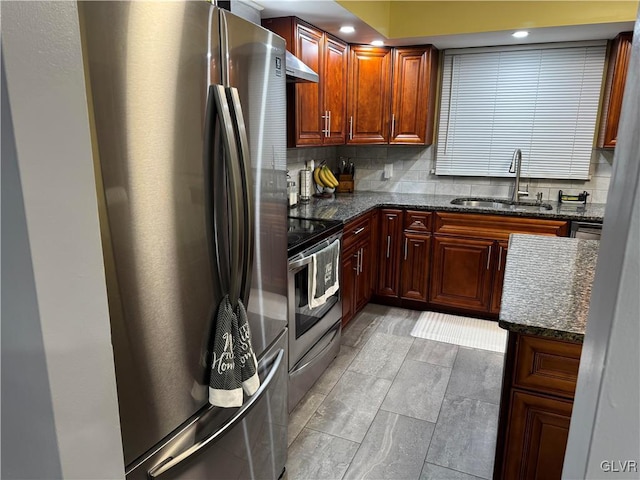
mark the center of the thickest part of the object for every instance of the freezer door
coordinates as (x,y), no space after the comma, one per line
(256,69)
(249,442)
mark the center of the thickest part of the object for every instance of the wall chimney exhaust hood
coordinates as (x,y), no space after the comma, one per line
(298,72)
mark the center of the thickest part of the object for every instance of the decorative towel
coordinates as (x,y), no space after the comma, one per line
(234,365)
(324,274)
(244,352)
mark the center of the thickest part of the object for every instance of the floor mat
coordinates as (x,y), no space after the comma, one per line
(464,331)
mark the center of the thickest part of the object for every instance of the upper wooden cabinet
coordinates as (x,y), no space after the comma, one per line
(315,111)
(614,88)
(391,95)
(334,91)
(414,94)
(369,94)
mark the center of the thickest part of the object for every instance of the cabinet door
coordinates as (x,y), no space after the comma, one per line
(308,98)
(363,276)
(614,88)
(413,97)
(348,285)
(537,437)
(498,278)
(334,89)
(369,94)
(389,253)
(461,273)
(415,267)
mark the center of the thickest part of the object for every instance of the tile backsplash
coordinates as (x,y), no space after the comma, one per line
(412,167)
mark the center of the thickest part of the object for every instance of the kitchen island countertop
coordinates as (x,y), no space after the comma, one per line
(547,286)
(347,206)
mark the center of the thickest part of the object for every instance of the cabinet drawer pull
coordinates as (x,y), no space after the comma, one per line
(388,245)
(393,125)
(500,258)
(356,232)
(361,252)
(329,127)
(351,127)
(406,242)
(489,257)
(357,257)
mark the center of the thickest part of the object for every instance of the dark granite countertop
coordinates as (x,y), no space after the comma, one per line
(547,286)
(347,206)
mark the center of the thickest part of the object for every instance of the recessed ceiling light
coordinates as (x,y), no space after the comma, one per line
(347,29)
(520,34)
(377,43)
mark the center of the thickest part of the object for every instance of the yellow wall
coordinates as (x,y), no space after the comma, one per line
(398,19)
(376,13)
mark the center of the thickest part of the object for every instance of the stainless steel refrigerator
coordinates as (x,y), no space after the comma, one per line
(188,117)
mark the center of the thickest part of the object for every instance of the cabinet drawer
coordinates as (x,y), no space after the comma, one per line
(549,366)
(495,226)
(356,230)
(417,221)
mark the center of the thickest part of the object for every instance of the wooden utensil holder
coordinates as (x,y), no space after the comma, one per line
(345,184)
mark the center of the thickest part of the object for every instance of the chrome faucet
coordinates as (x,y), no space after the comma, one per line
(516,167)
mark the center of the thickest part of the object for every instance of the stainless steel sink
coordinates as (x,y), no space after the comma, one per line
(501,204)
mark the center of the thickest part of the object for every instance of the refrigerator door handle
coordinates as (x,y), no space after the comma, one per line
(244,410)
(244,157)
(233,170)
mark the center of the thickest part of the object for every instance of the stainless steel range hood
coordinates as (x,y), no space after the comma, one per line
(297,71)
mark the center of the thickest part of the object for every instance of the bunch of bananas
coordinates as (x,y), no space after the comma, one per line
(324,177)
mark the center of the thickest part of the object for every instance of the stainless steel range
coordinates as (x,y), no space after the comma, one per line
(314,330)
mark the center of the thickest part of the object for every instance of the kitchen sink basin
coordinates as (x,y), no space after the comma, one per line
(501,204)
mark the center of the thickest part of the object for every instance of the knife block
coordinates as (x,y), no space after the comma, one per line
(345,184)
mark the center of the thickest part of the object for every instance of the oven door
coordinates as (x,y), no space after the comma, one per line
(308,325)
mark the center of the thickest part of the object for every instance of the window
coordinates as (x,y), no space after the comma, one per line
(540,99)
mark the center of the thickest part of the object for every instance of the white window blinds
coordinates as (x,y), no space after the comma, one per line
(541,99)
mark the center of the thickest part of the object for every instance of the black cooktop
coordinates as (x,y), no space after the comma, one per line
(302,233)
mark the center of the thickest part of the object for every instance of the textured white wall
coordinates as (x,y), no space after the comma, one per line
(605,424)
(45,83)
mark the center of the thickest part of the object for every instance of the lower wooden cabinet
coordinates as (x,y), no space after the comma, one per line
(535,408)
(461,274)
(537,438)
(390,234)
(357,266)
(415,266)
(348,286)
(469,257)
(404,256)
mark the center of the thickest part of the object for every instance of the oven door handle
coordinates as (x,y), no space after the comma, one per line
(294,265)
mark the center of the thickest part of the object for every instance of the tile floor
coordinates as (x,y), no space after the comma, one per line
(392,406)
